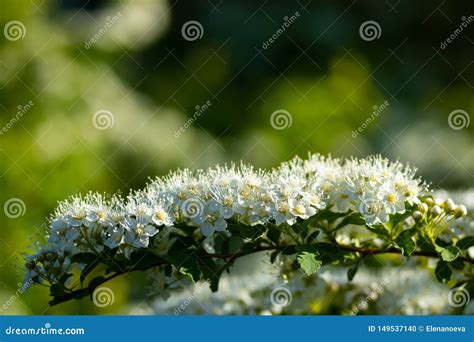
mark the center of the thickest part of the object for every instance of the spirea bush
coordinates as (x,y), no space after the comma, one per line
(193,225)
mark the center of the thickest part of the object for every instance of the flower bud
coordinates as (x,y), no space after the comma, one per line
(436,210)
(449,205)
(429,201)
(417,216)
(438,201)
(460,211)
(423,207)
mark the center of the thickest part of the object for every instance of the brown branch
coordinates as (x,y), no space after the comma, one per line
(230,257)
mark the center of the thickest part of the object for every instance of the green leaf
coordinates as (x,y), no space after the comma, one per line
(142,260)
(235,244)
(313,236)
(309,262)
(89,268)
(457,264)
(274,235)
(466,243)
(329,253)
(406,242)
(212,272)
(96,282)
(378,229)
(351,272)
(274,255)
(190,267)
(84,258)
(450,253)
(355,219)
(56,290)
(443,272)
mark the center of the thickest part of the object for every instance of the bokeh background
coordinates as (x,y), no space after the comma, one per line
(102,95)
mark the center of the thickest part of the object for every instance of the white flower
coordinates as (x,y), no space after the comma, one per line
(212,224)
(161,217)
(138,232)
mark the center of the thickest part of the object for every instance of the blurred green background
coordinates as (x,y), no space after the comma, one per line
(81,115)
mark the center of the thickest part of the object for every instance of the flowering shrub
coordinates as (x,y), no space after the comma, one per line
(194,225)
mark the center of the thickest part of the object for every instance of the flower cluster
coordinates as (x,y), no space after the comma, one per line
(211,199)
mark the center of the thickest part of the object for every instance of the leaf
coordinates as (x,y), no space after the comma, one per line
(96,282)
(212,272)
(465,243)
(56,290)
(235,244)
(328,253)
(351,272)
(406,242)
(378,229)
(443,272)
(274,255)
(355,219)
(190,267)
(274,235)
(89,268)
(84,258)
(450,253)
(142,260)
(457,264)
(313,236)
(309,262)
